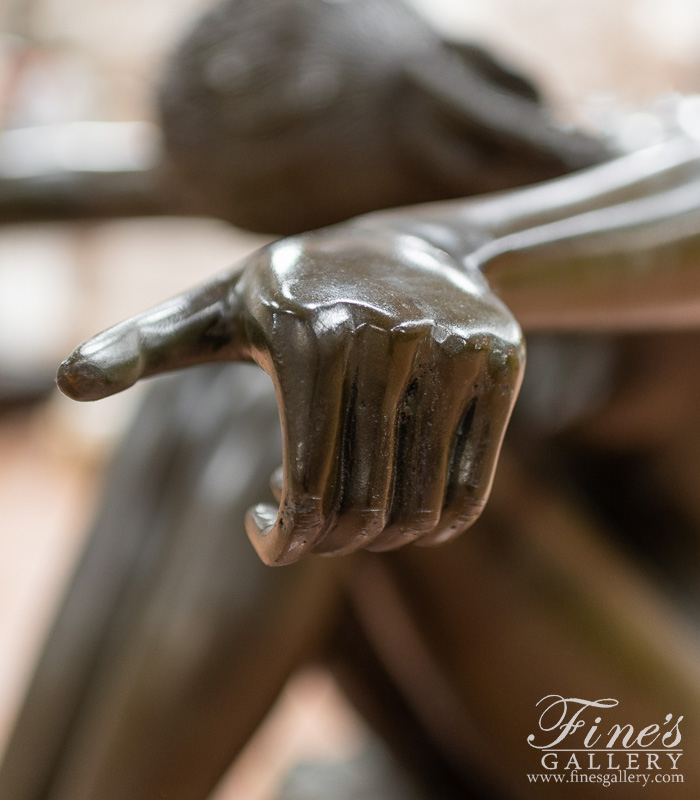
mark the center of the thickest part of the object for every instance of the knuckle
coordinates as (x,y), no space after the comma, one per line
(413,525)
(366,523)
(333,320)
(351,530)
(461,515)
(301,513)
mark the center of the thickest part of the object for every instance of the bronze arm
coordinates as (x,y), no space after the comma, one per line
(396,365)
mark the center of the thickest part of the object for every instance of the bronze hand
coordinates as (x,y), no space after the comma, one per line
(395,371)
(395,365)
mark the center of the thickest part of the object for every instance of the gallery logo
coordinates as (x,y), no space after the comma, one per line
(581,741)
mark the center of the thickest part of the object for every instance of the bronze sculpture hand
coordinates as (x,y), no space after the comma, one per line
(395,371)
(395,366)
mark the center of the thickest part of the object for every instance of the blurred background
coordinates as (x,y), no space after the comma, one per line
(600,63)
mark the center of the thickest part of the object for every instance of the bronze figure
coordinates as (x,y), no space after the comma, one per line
(292,114)
(394,363)
(394,345)
(398,629)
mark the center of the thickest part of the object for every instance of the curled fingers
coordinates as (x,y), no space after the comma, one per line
(441,385)
(308,372)
(477,443)
(376,383)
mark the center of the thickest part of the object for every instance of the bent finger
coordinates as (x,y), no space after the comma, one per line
(308,372)
(431,412)
(376,382)
(476,447)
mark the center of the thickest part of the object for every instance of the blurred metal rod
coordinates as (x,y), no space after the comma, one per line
(81,170)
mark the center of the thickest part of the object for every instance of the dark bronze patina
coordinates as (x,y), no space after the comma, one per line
(445,651)
(392,352)
(395,365)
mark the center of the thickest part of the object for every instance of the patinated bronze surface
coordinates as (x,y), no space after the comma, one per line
(395,365)
(445,652)
(123,704)
(174,639)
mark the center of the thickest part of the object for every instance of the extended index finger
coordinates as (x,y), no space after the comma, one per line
(198,326)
